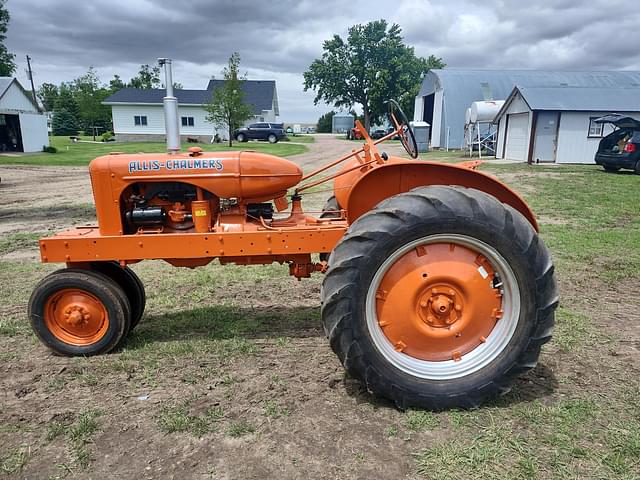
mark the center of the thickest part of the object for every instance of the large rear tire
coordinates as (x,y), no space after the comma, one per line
(439,298)
(79,312)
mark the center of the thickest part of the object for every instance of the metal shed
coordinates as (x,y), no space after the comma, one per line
(556,124)
(446,94)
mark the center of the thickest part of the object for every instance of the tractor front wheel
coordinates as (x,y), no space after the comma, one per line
(130,283)
(439,297)
(79,312)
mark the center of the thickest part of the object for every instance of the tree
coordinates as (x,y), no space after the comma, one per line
(227,107)
(372,65)
(63,123)
(147,78)
(7,65)
(325,122)
(66,114)
(116,84)
(89,95)
(48,95)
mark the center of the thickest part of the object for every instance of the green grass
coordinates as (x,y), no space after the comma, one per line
(240,428)
(532,440)
(177,419)
(78,154)
(19,241)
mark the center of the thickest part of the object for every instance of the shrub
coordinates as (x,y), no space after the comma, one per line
(49,149)
(107,136)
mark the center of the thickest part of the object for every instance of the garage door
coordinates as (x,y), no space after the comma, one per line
(517,133)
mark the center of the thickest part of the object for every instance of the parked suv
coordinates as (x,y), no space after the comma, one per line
(621,148)
(271,132)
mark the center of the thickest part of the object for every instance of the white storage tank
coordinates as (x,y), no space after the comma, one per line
(485,111)
(467,116)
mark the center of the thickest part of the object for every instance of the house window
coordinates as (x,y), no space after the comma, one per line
(140,120)
(187,122)
(595,129)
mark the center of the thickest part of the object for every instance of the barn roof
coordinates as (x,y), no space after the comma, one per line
(259,93)
(501,82)
(6,82)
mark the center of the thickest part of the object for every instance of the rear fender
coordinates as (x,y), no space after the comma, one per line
(398,176)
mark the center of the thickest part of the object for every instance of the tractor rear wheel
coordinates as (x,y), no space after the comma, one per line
(79,312)
(330,210)
(439,298)
(130,283)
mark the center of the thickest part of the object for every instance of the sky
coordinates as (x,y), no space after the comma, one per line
(278,40)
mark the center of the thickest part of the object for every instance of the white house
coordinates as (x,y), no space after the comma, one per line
(556,124)
(23,128)
(138,114)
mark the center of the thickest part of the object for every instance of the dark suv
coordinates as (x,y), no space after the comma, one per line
(621,148)
(271,132)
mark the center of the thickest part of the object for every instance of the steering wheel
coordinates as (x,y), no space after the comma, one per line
(400,121)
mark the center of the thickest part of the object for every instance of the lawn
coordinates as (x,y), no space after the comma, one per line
(77,154)
(232,359)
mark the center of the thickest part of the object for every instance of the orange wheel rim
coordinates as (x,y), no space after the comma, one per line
(438,301)
(76,317)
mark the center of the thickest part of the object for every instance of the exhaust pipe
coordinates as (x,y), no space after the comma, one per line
(170,104)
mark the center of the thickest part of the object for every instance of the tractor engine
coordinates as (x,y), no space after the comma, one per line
(194,192)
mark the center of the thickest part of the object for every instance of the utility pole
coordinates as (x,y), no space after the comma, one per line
(30,74)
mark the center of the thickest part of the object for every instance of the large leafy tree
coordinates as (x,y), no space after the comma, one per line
(7,65)
(227,108)
(367,68)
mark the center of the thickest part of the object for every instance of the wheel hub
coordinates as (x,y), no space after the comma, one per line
(76,317)
(437,302)
(440,308)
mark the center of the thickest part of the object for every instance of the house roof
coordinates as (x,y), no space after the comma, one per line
(6,82)
(576,99)
(259,93)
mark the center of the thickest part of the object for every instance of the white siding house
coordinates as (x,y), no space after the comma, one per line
(23,128)
(138,114)
(556,124)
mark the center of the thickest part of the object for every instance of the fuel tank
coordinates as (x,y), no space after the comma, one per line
(246,175)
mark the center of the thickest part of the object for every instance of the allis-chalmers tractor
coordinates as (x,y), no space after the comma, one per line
(438,291)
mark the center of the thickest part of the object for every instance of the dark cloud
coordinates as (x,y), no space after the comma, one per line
(280,39)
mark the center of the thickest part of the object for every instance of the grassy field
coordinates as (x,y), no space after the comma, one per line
(233,359)
(78,154)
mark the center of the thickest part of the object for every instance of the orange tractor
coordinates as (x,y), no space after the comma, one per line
(438,291)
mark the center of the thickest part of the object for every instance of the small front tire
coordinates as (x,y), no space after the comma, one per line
(79,312)
(130,283)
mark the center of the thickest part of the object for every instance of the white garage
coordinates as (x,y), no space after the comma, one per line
(517,130)
(557,124)
(23,128)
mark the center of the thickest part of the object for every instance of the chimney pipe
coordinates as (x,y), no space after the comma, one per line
(170,104)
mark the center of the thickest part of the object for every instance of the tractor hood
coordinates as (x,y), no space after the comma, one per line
(620,121)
